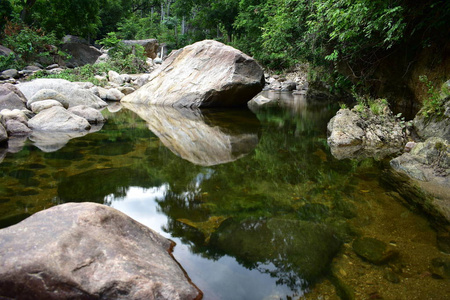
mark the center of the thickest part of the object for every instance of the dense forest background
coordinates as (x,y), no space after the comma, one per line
(354,39)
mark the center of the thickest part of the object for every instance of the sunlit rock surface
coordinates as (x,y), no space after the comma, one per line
(205,139)
(204,74)
(88,251)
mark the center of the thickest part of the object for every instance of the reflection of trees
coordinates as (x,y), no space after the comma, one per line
(278,218)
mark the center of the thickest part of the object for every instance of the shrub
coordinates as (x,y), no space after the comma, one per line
(28,43)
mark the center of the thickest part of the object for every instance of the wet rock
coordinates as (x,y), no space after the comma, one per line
(39,106)
(11,97)
(373,250)
(71,91)
(58,119)
(204,74)
(92,115)
(88,251)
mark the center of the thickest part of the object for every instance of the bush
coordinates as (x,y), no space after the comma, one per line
(124,58)
(28,43)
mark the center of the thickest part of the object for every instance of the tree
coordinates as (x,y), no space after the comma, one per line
(77,17)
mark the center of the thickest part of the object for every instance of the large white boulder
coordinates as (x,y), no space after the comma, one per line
(204,74)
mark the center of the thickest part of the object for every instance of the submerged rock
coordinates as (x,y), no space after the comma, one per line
(373,250)
(88,251)
(200,137)
(204,74)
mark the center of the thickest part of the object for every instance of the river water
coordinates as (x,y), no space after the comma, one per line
(257,205)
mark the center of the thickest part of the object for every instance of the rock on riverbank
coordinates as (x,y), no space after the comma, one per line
(364,132)
(88,251)
(204,74)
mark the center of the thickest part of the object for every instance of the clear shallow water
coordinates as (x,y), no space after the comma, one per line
(258,207)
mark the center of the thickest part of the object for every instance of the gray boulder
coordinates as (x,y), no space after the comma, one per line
(5,51)
(39,106)
(360,133)
(114,95)
(150,46)
(14,127)
(204,74)
(11,97)
(15,114)
(48,94)
(88,251)
(427,161)
(433,125)
(92,115)
(81,53)
(71,91)
(10,73)
(115,77)
(58,119)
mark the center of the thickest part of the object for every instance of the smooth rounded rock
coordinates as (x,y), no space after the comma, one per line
(39,106)
(92,115)
(58,119)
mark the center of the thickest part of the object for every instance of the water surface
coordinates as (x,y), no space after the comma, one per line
(257,205)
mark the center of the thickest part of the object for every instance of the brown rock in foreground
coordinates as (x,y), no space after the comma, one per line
(204,74)
(88,251)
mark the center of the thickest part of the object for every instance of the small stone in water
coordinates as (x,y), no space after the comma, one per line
(373,250)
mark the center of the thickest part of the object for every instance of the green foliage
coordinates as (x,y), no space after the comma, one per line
(79,17)
(8,62)
(434,104)
(5,10)
(124,58)
(28,43)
